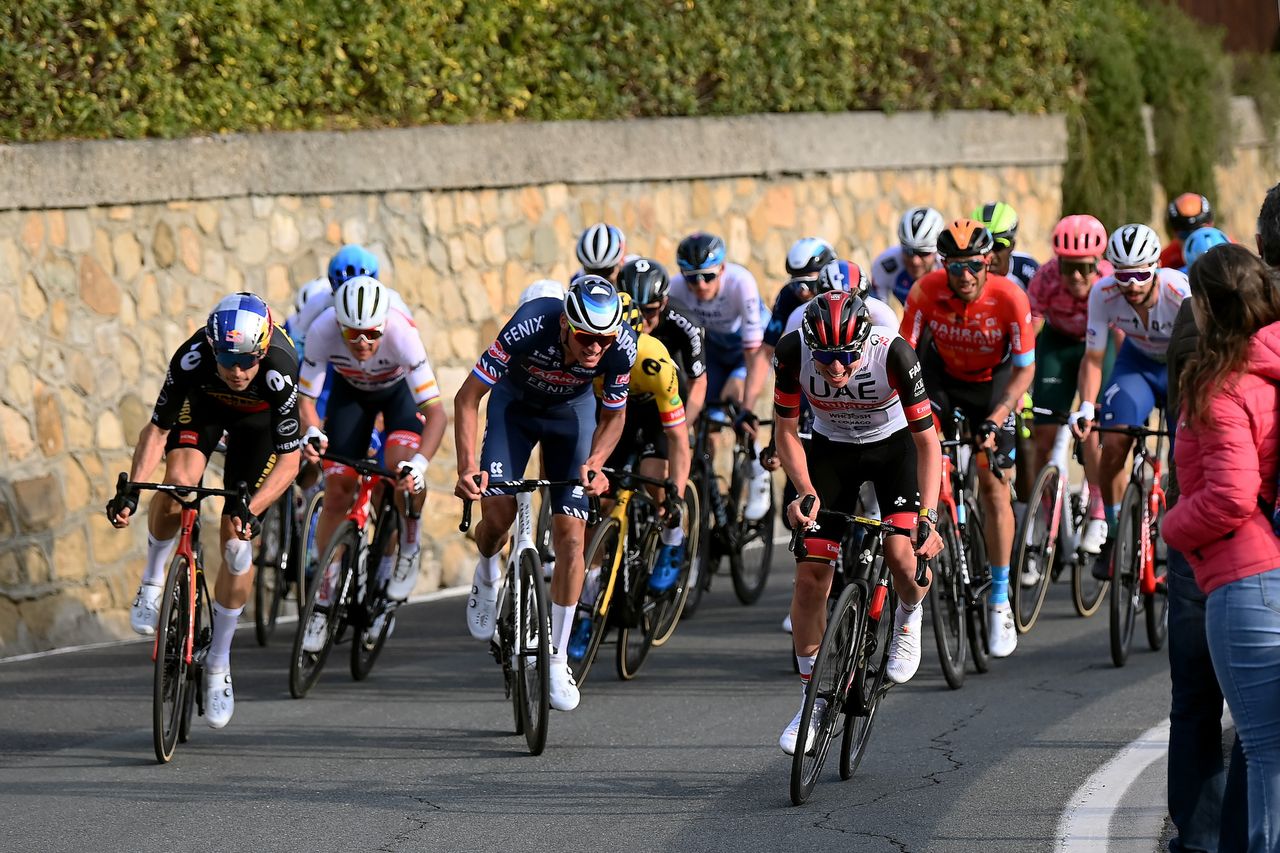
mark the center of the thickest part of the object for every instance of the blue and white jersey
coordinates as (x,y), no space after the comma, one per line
(735,317)
(889,276)
(1022,268)
(788,300)
(529,359)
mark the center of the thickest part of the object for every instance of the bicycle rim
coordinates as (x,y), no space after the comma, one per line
(309,557)
(635,641)
(975,593)
(171,684)
(869,681)
(1124,587)
(947,607)
(603,553)
(1034,549)
(534,670)
(692,537)
(830,684)
(700,561)
(750,565)
(305,667)
(369,639)
(200,650)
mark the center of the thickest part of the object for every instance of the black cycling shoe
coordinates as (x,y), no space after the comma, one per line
(1102,565)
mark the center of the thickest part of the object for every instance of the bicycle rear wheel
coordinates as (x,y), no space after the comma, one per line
(1124,572)
(635,641)
(1035,544)
(1087,592)
(305,666)
(947,606)
(533,670)
(270,581)
(829,692)
(976,591)
(172,684)
(604,553)
(680,592)
(749,564)
(200,650)
(871,659)
(309,554)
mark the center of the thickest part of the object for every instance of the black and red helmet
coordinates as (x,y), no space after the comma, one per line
(836,321)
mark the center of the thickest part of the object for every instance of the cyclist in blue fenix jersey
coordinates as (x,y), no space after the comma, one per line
(538,374)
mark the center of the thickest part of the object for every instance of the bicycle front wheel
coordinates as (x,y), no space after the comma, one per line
(533,669)
(603,554)
(172,685)
(829,691)
(871,660)
(1156,605)
(976,592)
(650,609)
(947,606)
(309,553)
(1126,558)
(306,664)
(200,650)
(1034,546)
(379,613)
(699,554)
(692,542)
(269,584)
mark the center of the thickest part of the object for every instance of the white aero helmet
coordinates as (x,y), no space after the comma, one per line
(541,289)
(919,229)
(361,303)
(808,255)
(309,291)
(1133,245)
(601,247)
(592,305)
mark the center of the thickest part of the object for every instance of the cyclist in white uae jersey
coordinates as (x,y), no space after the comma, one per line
(1141,300)
(897,268)
(380,367)
(872,422)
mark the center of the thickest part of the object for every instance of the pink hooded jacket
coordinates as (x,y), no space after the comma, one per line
(1217,522)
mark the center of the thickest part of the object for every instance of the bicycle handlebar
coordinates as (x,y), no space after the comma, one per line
(368,467)
(528,485)
(187,496)
(877,528)
(1134,431)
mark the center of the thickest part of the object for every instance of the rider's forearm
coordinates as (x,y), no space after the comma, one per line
(278,480)
(679,455)
(1089,378)
(148,453)
(697,398)
(466,414)
(1019,384)
(307,412)
(928,466)
(791,453)
(605,439)
(433,430)
(757,372)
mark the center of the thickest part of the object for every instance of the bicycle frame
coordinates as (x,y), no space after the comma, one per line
(190,518)
(1143,459)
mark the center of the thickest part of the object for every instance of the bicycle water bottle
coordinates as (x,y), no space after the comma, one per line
(878,597)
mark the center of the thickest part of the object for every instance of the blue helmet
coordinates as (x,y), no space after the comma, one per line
(351,261)
(700,251)
(1200,241)
(842,275)
(240,325)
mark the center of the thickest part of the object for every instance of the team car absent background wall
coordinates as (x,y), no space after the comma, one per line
(112,253)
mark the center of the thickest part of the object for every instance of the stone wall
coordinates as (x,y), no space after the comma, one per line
(112,253)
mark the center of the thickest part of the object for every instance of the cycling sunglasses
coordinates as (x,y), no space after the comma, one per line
(1134,278)
(242,360)
(352,336)
(651,310)
(828,357)
(974,265)
(701,276)
(919,253)
(586,339)
(1084,268)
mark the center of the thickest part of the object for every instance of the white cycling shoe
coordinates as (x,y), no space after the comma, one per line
(317,628)
(791,734)
(758,496)
(1030,574)
(481,605)
(786,624)
(404,577)
(904,648)
(1095,536)
(219,698)
(1001,633)
(562,687)
(144,615)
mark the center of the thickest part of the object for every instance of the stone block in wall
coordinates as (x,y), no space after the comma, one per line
(35,564)
(97,289)
(110,544)
(71,555)
(38,501)
(7,526)
(12,575)
(48,423)
(163,247)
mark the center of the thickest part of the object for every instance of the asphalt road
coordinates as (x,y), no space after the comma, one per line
(421,755)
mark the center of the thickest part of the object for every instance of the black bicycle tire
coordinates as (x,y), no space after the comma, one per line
(1124,594)
(843,634)
(1021,550)
(1082,575)
(749,589)
(652,608)
(364,655)
(976,605)
(204,636)
(947,605)
(535,698)
(692,537)
(310,517)
(170,681)
(700,581)
(871,685)
(599,612)
(303,674)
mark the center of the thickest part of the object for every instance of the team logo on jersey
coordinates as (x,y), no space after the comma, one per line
(277,381)
(288,426)
(651,366)
(498,353)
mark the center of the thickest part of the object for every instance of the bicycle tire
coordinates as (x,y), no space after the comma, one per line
(172,683)
(367,644)
(700,568)
(868,684)
(947,607)
(830,682)
(689,522)
(308,557)
(534,674)
(1087,592)
(635,642)
(200,650)
(269,583)
(750,562)
(975,592)
(305,667)
(1156,605)
(1034,544)
(1124,572)
(604,551)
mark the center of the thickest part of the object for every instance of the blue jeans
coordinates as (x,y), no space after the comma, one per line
(1242,622)
(1207,802)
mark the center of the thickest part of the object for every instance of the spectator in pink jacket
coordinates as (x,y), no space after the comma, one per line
(1227,449)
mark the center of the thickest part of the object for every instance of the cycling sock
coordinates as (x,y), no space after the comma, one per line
(999,585)
(224,630)
(1095,503)
(489,569)
(158,551)
(1112,512)
(907,609)
(561,628)
(805,663)
(672,535)
(409,536)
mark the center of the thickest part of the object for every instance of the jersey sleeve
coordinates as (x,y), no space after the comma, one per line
(786,376)
(617,364)
(906,377)
(1022,336)
(280,375)
(1095,336)
(665,382)
(421,378)
(881,313)
(1038,292)
(178,381)
(752,312)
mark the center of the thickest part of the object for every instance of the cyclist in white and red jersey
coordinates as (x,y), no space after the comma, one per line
(347,263)
(380,367)
(724,299)
(872,422)
(897,268)
(1140,299)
